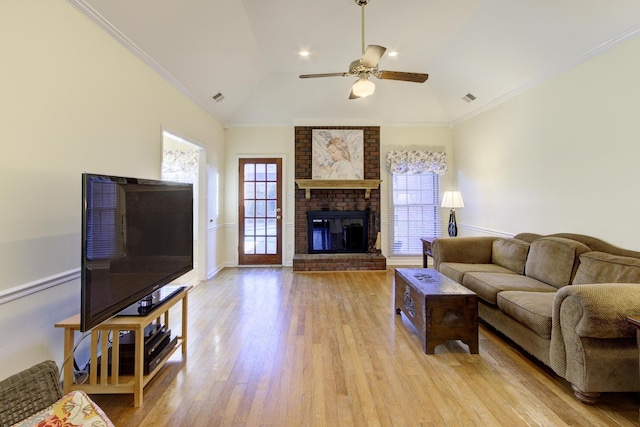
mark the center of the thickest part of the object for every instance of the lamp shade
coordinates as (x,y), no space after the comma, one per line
(363,87)
(452,199)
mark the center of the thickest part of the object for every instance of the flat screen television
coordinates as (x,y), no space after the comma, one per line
(137,237)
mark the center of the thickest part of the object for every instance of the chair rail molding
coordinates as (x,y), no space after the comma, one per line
(27,289)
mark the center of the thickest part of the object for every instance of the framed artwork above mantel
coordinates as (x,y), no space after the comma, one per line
(337,154)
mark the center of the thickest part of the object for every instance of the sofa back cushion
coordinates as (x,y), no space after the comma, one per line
(554,260)
(600,267)
(510,253)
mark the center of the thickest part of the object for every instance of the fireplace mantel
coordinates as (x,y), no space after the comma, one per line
(353,184)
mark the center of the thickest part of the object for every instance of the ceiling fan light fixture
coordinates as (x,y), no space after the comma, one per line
(363,87)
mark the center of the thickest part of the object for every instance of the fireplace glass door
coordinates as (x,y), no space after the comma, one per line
(338,231)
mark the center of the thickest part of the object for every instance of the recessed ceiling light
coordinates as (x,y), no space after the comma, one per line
(304,53)
(393,53)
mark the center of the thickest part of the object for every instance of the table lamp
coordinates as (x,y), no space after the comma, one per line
(452,200)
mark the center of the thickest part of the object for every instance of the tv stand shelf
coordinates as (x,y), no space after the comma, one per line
(114,383)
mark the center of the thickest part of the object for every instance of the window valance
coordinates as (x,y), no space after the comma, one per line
(416,162)
(178,161)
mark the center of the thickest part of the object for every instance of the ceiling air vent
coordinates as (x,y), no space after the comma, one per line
(469,97)
(218,97)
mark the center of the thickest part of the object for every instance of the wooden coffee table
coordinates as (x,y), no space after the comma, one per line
(438,307)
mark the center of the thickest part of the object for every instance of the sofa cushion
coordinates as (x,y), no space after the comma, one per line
(532,309)
(456,270)
(488,285)
(510,253)
(600,267)
(554,260)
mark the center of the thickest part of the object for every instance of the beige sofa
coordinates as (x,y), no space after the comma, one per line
(563,298)
(33,397)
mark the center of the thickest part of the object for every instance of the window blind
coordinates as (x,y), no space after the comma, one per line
(103,221)
(415,211)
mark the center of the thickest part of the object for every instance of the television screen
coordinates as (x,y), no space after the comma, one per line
(137,236)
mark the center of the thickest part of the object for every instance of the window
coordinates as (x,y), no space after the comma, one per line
(104,220)
(415,211)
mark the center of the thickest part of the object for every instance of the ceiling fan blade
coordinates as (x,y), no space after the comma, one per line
(403,76)
(372,55)
(311,76)
(353,95)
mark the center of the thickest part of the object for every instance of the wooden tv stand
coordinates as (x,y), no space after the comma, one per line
(114,383)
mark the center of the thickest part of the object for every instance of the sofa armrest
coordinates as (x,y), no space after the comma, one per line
(470,250)
(590,335)
(598,310)
(28,392)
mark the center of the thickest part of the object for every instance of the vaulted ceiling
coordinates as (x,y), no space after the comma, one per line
(249,52)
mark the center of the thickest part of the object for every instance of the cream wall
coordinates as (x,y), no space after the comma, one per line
(73,100)
(258,142)
(272,141)
(562,157)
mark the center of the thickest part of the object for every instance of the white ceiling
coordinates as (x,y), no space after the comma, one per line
(248,51)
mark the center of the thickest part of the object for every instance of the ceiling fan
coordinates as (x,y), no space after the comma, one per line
(368,66)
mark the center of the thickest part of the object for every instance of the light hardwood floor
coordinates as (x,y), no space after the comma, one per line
(269,347)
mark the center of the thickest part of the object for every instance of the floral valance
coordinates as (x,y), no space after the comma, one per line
(178,161)
(416,162)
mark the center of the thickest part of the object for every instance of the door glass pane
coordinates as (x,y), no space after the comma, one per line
(261,172)
(260,227)
(261,208)
(249,208)
(249,172)
(260,245)
(249,228)
(272,192)
(249,190)
(249,246)
(271,245)
(271,208)
(272,172)
(271,227)
(261,191)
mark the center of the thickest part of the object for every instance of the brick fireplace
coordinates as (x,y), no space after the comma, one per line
(336,200)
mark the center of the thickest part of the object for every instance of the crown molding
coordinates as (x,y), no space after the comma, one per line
(597,51)
(358,122)
(103,23)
